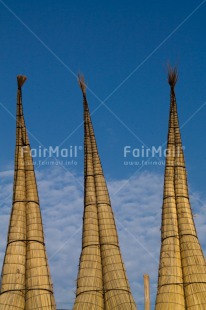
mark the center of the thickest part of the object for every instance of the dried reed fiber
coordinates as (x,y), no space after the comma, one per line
(26,282)
(82,83)
(21,79)
(172,76)
(102,281)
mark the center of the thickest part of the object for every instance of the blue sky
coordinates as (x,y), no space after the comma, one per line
(123,49)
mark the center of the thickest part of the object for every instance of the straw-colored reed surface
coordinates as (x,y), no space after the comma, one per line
(182,269)
(147,302)
(26,282)
(102,281)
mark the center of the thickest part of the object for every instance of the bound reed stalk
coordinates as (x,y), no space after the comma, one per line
(26,282)
(146,292)
(182,269)
(102,281)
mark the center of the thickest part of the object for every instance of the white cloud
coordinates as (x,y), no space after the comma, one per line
(137,208)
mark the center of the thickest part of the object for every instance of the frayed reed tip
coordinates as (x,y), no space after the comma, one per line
(21,80)
(172,76)
(82,84)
